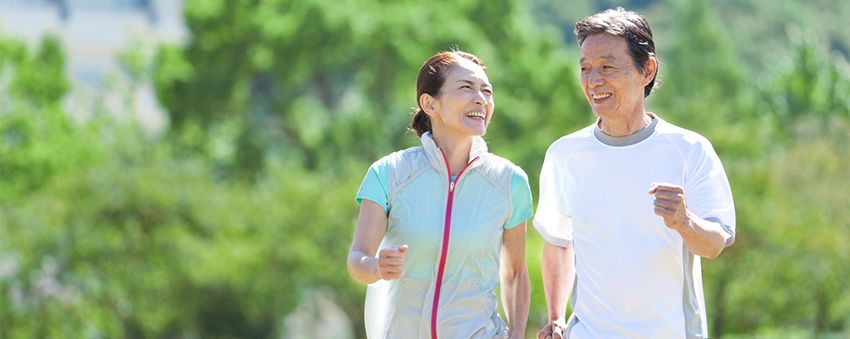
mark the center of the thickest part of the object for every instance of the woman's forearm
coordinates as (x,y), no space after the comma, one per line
(371,227)
(362,267)
(516,298)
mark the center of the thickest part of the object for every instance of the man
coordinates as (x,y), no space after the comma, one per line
(629,204)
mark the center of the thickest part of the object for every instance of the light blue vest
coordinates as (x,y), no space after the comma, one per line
(419,192)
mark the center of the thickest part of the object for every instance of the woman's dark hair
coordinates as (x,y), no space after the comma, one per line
(431,77)
(629,25)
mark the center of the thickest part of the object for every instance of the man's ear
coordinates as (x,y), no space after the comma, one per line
(429,104)
(650,69)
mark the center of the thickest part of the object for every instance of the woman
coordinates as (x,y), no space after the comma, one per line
(446,219)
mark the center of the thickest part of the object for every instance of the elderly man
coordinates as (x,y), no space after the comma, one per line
(629,204)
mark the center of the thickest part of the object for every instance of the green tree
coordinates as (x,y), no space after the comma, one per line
(312,82)
(788,260)
(33,125)
(700,73)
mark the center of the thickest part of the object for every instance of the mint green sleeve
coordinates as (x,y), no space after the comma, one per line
(374,186)
(521,201)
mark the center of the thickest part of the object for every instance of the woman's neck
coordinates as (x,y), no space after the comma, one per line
(455,149)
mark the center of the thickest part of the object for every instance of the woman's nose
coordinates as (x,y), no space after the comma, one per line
(480,98)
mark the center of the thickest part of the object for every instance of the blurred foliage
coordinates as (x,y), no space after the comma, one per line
(33,126)
(305,80)
(221,225)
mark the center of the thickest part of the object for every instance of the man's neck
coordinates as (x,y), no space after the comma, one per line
(625,127)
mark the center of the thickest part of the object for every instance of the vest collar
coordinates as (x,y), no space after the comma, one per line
(435,157)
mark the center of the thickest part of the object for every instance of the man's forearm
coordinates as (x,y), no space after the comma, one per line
(702,237)
(558,270)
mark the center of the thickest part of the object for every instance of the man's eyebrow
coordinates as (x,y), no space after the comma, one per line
(606,57)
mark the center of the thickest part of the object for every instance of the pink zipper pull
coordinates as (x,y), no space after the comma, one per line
(452,186)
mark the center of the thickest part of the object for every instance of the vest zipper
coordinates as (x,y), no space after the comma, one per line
(447,226)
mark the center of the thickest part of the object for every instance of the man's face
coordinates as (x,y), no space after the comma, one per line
(611,83)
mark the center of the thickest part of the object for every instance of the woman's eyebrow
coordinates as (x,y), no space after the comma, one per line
(472,83)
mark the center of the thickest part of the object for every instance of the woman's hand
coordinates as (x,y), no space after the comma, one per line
(390,262)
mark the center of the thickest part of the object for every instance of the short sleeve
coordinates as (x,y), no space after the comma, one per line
(550,221)
(521,200)
(707,191)
(374,186)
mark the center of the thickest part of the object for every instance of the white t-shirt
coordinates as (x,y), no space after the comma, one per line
(634,276)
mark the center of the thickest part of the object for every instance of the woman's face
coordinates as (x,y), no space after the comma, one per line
(465,103)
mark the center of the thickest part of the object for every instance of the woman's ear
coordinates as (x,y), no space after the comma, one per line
(429,104)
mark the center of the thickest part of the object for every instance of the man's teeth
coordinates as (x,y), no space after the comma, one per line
(600,95)
(475,114)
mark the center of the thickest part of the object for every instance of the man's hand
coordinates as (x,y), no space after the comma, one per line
(703,238)
(670,205)
(553,330)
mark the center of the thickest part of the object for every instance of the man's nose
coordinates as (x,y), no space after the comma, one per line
(594,78)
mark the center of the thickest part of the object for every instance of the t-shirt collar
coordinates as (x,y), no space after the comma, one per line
(626,140)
